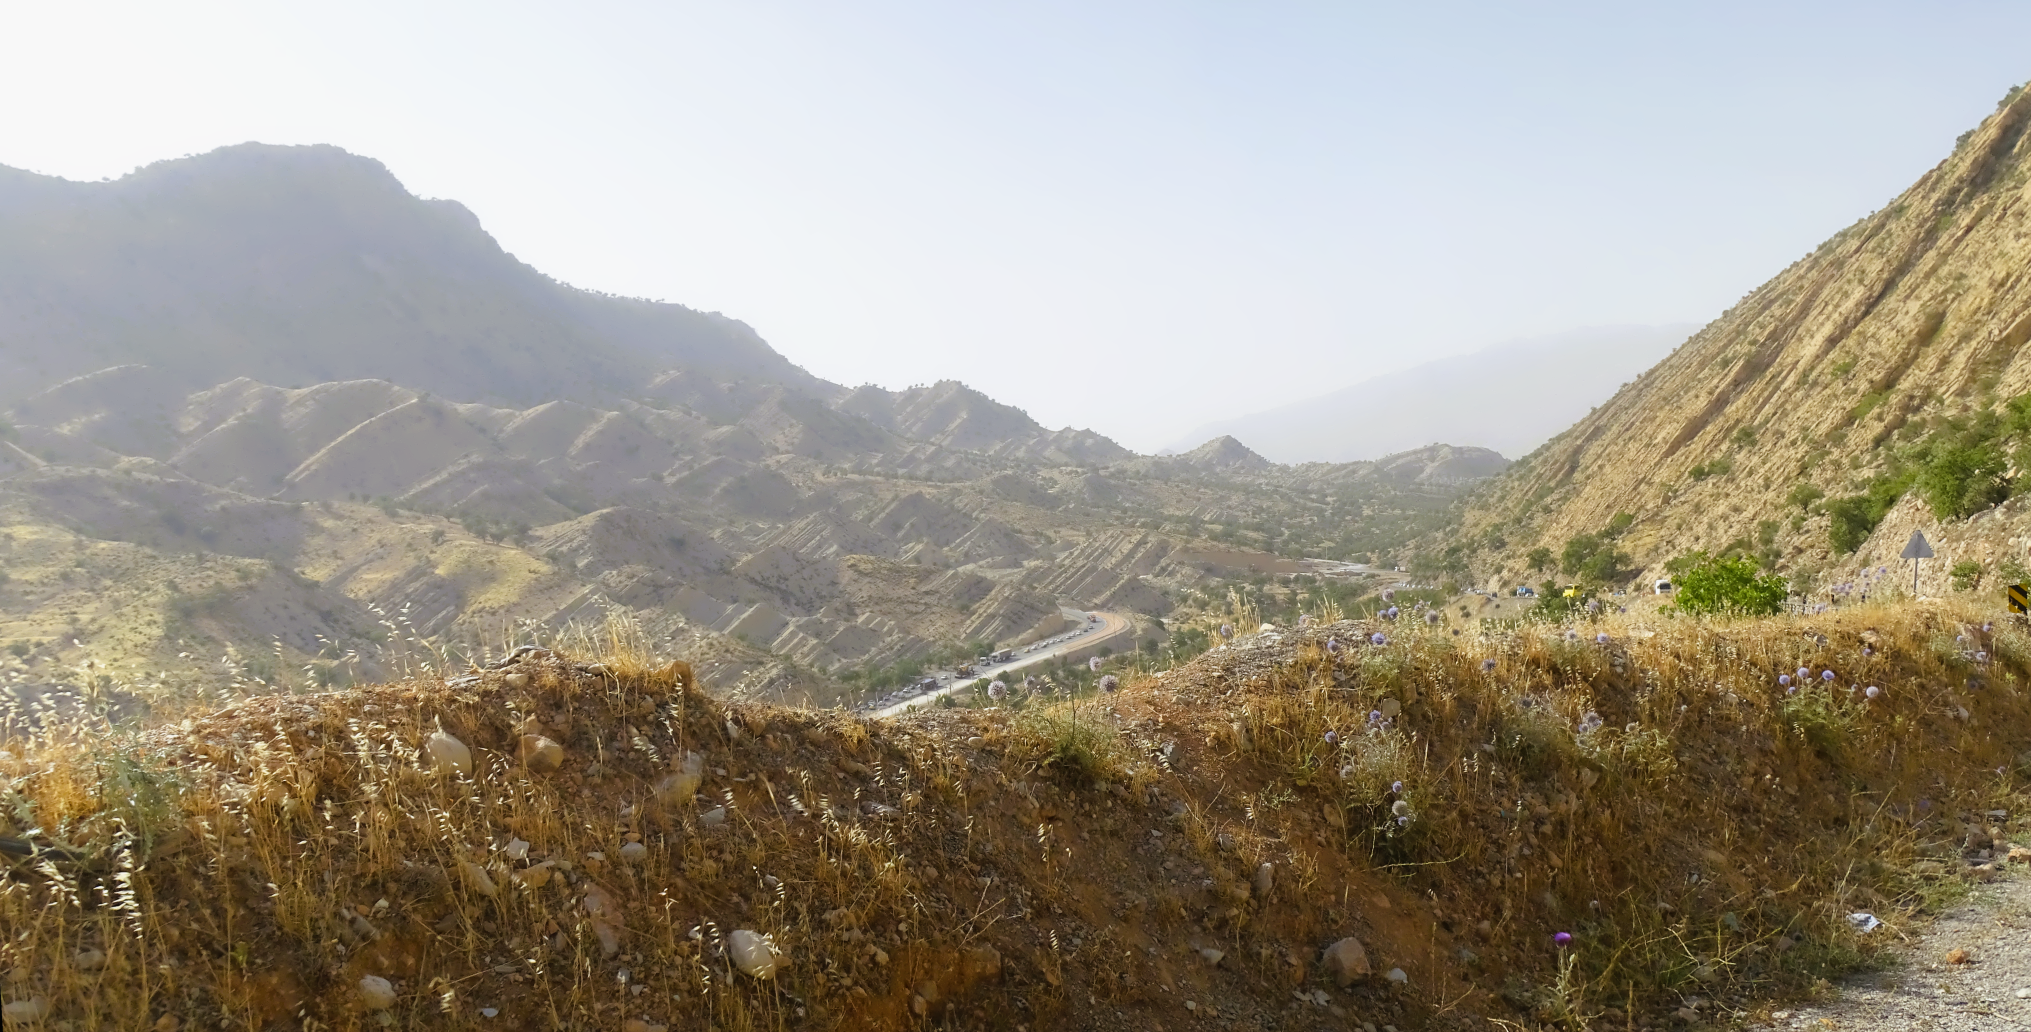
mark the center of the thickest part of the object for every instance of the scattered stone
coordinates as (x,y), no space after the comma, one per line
(476,878)
(1686,1014)
(540,754)
(2020,855)
(634,852)
(1398,976)
(1389,708)
(517,849)
(682,784)
(1346,961)
(167,1023)
(1265,880)
(446,752)
(1189,1005)
(919,1006)
(25,1012)
(714,817)
(376,993)
(88,960)
(981,963)
(535,877)
(638,1025)
(516,680)
(1959,956)
(1212,955)
(753,953)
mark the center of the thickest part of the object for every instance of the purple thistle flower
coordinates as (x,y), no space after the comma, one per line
(1333,645)
(1562,939)
(1403,822)
(1389,594)
(1390,612)
(1332,738)
(1793,690)
(1804,672)
(1981,657)
(1986,628)
(1396,788)
(1826,675)
(1227,630)
(1487,665)
(1305,620)
(1109,682)
(1093,664)
(1377,638)
(1432,617)
(997,691)
(1872,691)
(1867,651)
(1375,716)
(1783,679)
(1601,638)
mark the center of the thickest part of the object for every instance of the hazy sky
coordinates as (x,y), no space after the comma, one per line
(1130,216)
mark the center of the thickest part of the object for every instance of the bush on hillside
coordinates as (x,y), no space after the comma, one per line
(1708,583)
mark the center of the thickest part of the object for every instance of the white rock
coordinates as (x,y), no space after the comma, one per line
(1397,975)
(516,680)
(634,852)
(1265,880)
(1346,961)
(376,993)
(714,817)
(753,953)
(1212,955)
(517,849)
(88,960)
(448,752)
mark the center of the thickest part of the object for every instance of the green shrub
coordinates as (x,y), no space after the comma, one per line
(1540,559)
(1803,494)
(1714,584)
(1965,574)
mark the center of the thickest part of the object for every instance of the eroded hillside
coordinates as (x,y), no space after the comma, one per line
(1861,364)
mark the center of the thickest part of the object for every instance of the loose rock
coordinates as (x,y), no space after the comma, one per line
(476,878)
(89,960)
(1265,880)
(376,993)
(448,753)
(540,754)
(714,817)
(752,953)
(634,852)
(1346,961)
(25,1012)
(1212,955)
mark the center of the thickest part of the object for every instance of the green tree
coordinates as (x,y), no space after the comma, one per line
(1540,559)
(1707,583)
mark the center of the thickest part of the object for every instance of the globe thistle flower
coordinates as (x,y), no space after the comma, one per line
(1389,594)
(1826,675)
(1332,738)
(1108,682)
(1804,672)
(1432,617)
(1403,822)
(1396,788)
(1590,723)
(1305,620)
(1378,639)
(1562,939)
(1981,657)
(1872,691)
(1601,638)
(1488,665)
(1793,690)
(1390,612)
(1400,808)
(1093,664)
(1374,717)
(1986,628)
(1227,630)
(1333,645)
(997,691)
(1783,680)
(1867,651)
(1572,635)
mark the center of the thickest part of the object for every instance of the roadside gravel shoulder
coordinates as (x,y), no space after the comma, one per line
(1970,970)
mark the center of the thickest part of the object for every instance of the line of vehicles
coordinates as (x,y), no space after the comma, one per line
(980,667)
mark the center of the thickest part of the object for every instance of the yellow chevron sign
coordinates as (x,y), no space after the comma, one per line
(2018,603)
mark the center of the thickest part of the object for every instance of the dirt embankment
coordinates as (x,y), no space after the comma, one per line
(1179,855)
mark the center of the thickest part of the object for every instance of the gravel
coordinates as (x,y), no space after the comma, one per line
(1933,984)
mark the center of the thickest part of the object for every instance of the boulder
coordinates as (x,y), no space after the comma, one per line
(1346,961)
(752,953)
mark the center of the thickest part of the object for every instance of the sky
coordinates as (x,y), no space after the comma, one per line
(1134,217)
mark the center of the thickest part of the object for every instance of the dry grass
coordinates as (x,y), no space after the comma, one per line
(1703,834)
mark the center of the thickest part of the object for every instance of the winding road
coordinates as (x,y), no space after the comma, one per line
(1109,624)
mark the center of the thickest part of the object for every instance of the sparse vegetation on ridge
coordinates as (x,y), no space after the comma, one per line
(1694,823)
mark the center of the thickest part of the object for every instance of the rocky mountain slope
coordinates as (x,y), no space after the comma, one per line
(1857,395)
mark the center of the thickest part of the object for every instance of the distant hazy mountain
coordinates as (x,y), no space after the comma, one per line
(299,265)
(1511,398)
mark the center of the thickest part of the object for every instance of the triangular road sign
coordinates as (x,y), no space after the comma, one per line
(1917,548)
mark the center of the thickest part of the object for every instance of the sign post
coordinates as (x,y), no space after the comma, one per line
(1917,550)
(2019,602)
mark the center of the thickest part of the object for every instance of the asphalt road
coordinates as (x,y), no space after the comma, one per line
(1109,624)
